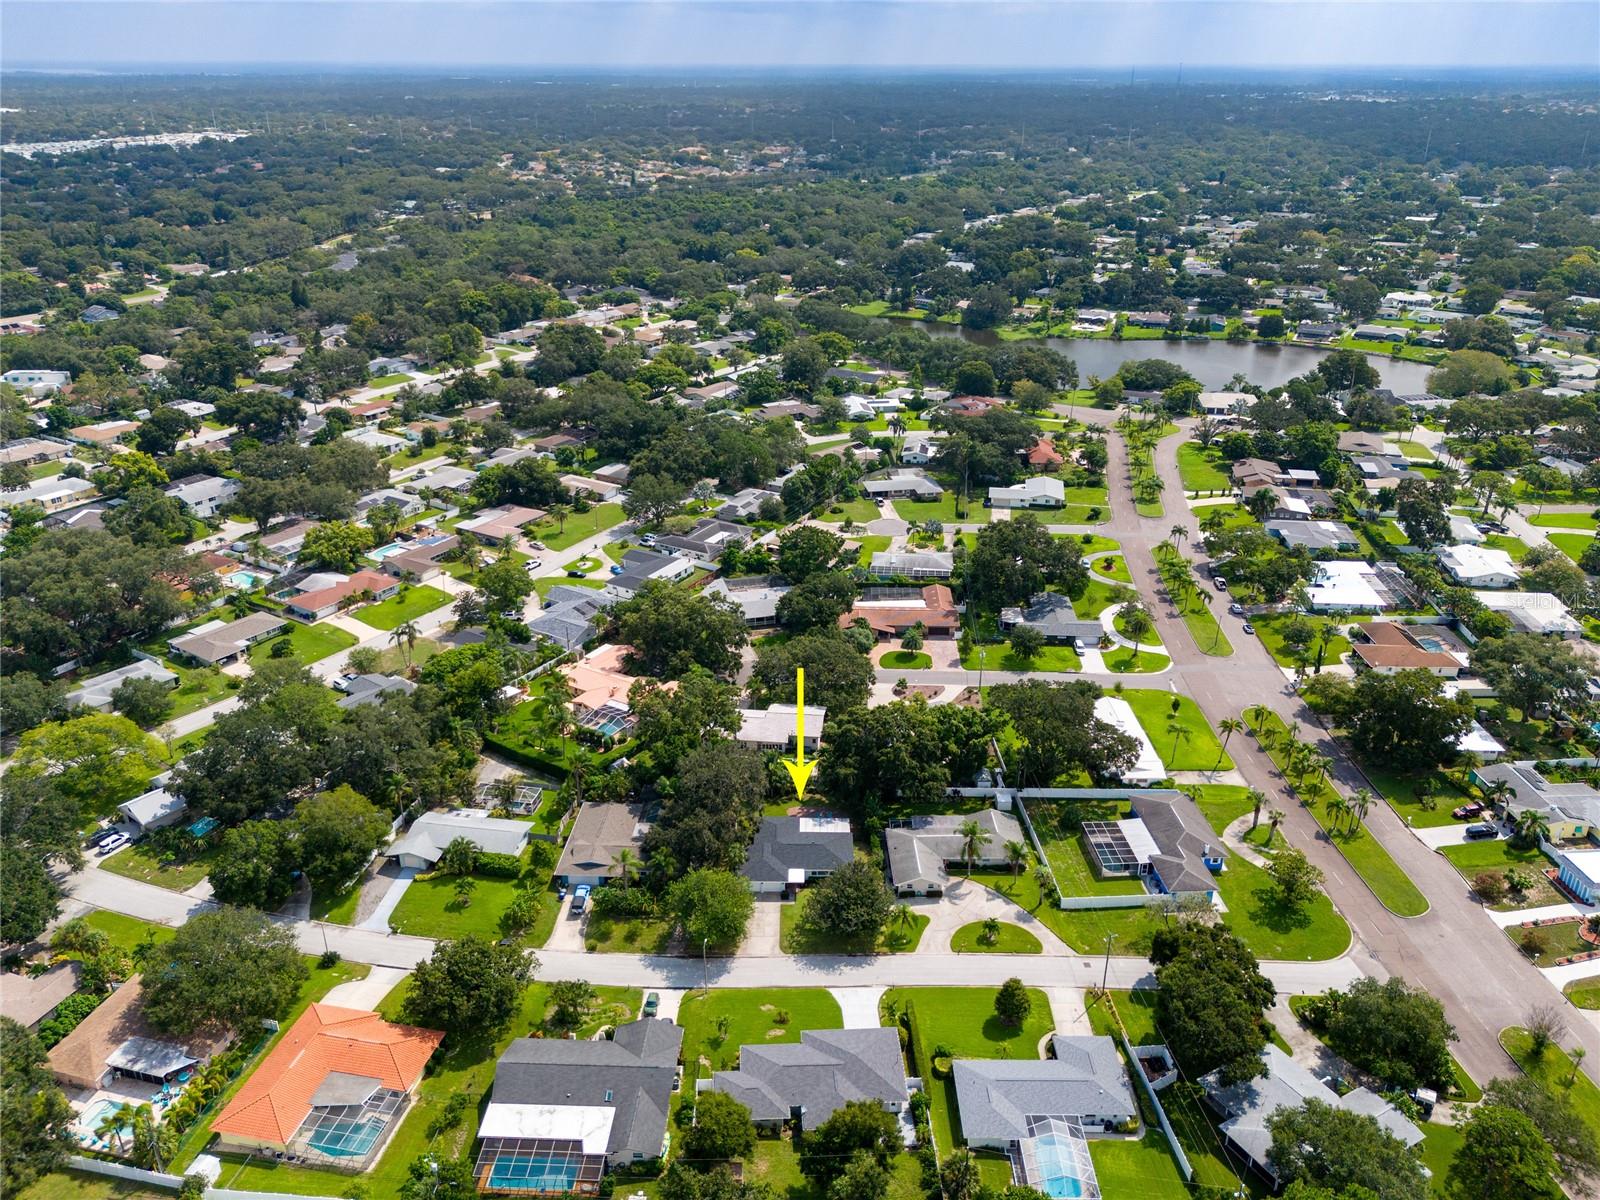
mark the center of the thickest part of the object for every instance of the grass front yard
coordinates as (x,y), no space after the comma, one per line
(998,656)
(1571,544)
(1113,567)
(1200,469)
(307,643)
(1270,629)
(943,509)
(905,660)
(430,908)
(1556,1070)
(578,526)
(405,605)
(860,511)
(142,861)
(1584,993)
(716,1023)
(1179,730)
(1564,520)
(896,938)
(1011,939)
(872,543)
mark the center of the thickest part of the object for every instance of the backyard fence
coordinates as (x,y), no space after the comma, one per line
(1149,1090)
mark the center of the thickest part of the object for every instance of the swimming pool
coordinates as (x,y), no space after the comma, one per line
(89,1119)
(533,1173)
(383,552)
(1057,1168)
(1055,1160)
(246,581)
(346,1139)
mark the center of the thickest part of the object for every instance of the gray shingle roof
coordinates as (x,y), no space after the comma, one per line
(636,1070)
(432,832)
(783,844)
(919,850)
(997,1096)
(826,1070)
(1184,837)
(1053,616)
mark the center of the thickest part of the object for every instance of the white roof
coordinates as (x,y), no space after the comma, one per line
(1538,612)
(1036,485)
(776,725)
(151,806)
(1468,563)
(1344,585)
(432,832)
(1462,530)
(588,1124)
(96,692)
(1148,768)
(1478,740)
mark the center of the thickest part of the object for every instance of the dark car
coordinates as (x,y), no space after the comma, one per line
(1249,628)
(1467,811)
(1482,831)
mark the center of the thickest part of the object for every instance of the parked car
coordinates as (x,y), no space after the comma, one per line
(580,898)
(1236,610)
(1222,584)
(652,1002)
(574,573)
(647,539)
(1249,628)
(1482,831)
(1467,811)
(100,838)
(113,843)
(615,569)
(536,544)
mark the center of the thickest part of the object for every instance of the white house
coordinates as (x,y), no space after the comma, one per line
(203,495)
(1345,587)
(1148,767)
(1037,491)
(36,382)
(1478,566)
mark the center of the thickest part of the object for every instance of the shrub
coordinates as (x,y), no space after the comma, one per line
(1533,943)
(618,903)
(328,959)
(499,866)
(69,1014)
(1490,885)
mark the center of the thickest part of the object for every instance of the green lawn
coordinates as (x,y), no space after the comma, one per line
(895,939)
(197,688)
(140,861)
(338,908)
(1124,661)
(603,935)
(1191,600)
(905,660)
(430,908)
(308,643)
(943,509)
(1515,547)
(1012,939)
(1098,596)
(405,605)
(998,656)
(1571,544)
(125,932)
(1269,628)
(755,1016)
(1192,746)
(1363,851)
(80,1185)
(465,1066)
(382,381)
(1113,567)
(872,543)
(860,510)
(1401,790)
(1200,469)
(1057,824)
(1565,520)
(1439,1146)
(1585,993)
(577,526)
(1471,857)
(1556,1070)
(961,1022)
(1144,1168)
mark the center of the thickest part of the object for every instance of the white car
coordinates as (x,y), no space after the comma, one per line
(113,843)
(533,564)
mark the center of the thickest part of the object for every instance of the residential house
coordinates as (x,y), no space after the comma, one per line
(1147,767)
(724,390)
(644,566)
(407,504)
(154,809)
(280,545)
(1570,807)
(217,643)
(422,845)
(1387,648)
(1533,612)
(756,597)
(30,451)
(921,849)
(331,1091)
(600,489)
(705,543)
(1223,405)
(600,689)
(53,493)
(116,1041)
(919,449)
(810,1080)
(361,690)
(562,1113)
(96,691)
(96,314)
(774,728)
(1165,842)
(617,473)
(1347,587)
(1246,1109)
(375,439)
(1354,441)
(911,564)
(36,382)
(323,601)
(1464,532)
(1149,320)
(1037,491)
(203,495)
(1478,566)
(84,516)
(902,484)
(745,504)
(1333,537)
(422,560)
(1250,475)
(442,479)
(1004,1101)
(1379,333)
(1052,614)
(31,1000)
(570,616)
(599,834)
(500,525)
(890,611)
(790,852)
(1380,472)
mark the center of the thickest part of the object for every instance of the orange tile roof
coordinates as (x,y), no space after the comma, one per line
(276,1098)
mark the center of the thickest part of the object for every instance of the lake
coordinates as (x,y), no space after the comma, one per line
(1213,362)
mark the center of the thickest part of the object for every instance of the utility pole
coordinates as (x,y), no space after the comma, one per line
(1105,975)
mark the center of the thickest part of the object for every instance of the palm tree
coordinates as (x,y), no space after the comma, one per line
(152,1143)
(1361,805)
(991,931)
(555,705)
(1228,726)
(405,636)
(1176,535)
(559,514)
(974,837)
(1136,624)
(1274,819)
(1017,856)
(1530,827)
(1257,799)
(1338,807)
(470,555)
(903,917)
(627,865)
(113,1122)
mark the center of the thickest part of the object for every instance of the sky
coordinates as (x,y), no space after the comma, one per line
(868,34)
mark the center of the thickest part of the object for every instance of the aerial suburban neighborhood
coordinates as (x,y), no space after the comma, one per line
(800,639)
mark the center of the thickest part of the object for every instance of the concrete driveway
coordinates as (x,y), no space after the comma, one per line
(763,936)
(366,993)
(568,933)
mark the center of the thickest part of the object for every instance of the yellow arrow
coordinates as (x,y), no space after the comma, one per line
(800,770)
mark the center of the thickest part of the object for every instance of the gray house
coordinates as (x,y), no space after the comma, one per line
(1002,1100)
(598,834)
(912,564)
(812,1079)
(1053,616)
(920,850)
(789,852)
(562,1113)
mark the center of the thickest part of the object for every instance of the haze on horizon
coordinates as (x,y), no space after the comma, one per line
(1297,35)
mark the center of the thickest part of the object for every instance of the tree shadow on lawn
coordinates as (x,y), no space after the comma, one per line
(1270,912)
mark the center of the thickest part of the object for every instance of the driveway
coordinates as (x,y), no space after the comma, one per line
(965,902)
(568,933)
(859,1005)
(763,936)
(366,993)
(379,919)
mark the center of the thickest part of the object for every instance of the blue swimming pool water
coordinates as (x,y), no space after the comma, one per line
(346,1139)
(246,580)
(1056,1165)
(89,1120)
(383,552)
(533,1173)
